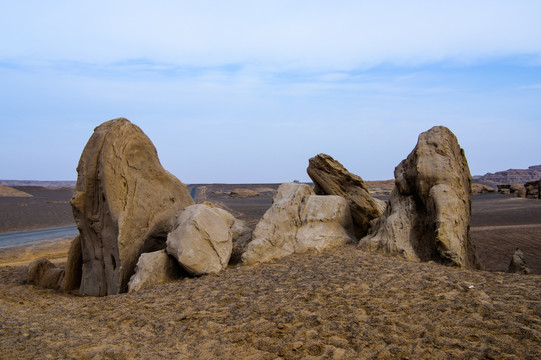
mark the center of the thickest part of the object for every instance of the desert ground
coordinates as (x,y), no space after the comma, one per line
(340,304)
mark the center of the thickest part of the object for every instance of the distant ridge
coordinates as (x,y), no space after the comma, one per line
(50,184)
(511,176)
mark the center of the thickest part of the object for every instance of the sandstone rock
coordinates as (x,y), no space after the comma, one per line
(326,222)
(331,178)
(243,193)
(428,213)
(481,189)
(274,235)
(154,268)
(297,221)
(202,240)
(517,190)
(74,266)
(533,189)
(124,204)
(518,263)
(45,274)
(241,235)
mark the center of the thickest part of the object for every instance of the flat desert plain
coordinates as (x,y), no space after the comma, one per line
(339,304)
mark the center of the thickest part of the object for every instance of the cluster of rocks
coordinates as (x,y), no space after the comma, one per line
(530,190)
(138,224)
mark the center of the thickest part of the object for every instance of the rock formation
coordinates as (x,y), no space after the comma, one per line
(518,263)
(299,220)
(45,274)
(243,193)
(533,189)
(154,268)
(428,213)
(481,189)
(331,178)
(511,176)
(74,266)
(517,190)
(202,240)
(241,235)
(124,204)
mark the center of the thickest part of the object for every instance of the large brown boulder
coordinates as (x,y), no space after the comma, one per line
(331,178)
(298,221)
(533,189)
(124,204)
(429,210)
(153,268)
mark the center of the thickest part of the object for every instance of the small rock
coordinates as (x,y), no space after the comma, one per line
(45,274)
(518,263)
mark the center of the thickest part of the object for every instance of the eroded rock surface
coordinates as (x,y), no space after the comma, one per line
(299,220)
(156,267)
(45,274)
(202,239)
(124,204)
(428,213)
(518,263)
(331,178)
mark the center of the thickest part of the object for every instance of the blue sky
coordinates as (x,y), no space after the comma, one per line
(247,91)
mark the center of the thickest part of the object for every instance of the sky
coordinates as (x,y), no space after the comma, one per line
(248,91)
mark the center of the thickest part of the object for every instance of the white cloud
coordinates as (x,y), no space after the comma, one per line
(337,35)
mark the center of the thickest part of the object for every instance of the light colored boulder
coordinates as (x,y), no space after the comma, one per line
(275,234)
(297,221)
(44,273)
(156,267)
(326,222)
(428,213)
(332,178)
(202,240)
(241,235)
(124,204)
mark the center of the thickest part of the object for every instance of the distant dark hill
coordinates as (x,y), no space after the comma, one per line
(511,176)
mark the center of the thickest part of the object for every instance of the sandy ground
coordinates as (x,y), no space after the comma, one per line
(340,304)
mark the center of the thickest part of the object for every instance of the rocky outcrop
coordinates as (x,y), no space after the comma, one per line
(243,193)
(428,213)
(511,176)
(518,263)
(517,190)
(124,204)
(44,273)
(533,189)
(478,189)
(331,178)
(326,222)
(202,240)
(74,266)
(299,220)
(154,268)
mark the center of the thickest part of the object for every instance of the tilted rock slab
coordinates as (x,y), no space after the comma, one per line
(299,220)
(332,178)
(202,240)
(124,204)
(428,213)
(156,267)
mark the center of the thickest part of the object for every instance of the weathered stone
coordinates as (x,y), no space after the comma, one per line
(74,266)
(326,222)
(156,267)
(124,204)
(241,235)
(297,221)
(331,178)
(274,235)
(481,189)
(518,263)
(243,193)
(517,190)
(202,240)
(428,213)
(45,274)
(533,189)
